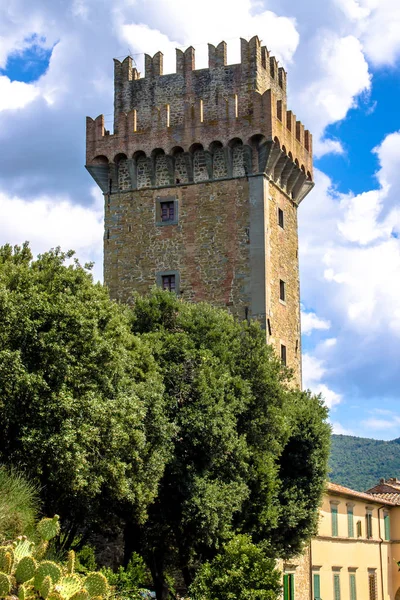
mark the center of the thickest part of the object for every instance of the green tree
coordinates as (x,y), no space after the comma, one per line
(19,504)
(81,401)
(239,431)
(241,571)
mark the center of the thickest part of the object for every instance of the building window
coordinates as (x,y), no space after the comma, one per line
(359,529)
(288,586)
(317,586)
(334,519)
(283,354)
(353,590)
(166,211)
(386,522)
(168,282)
(282,290)
(368,524)
(350,520)
(372,584)
(336,586)
(280,218)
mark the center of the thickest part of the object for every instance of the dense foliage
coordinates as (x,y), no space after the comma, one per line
(250,452)
(80,398)
(359,463)
(19,503)
(170,420)
(241,571)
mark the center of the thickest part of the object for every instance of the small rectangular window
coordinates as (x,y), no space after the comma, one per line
(350,521)
(368,524)
(279,109)
(168,282)
(336,586)
(317,586)
(283,354)
(280,218)
(282,290)
(167,211)
(353,590)
(334,519)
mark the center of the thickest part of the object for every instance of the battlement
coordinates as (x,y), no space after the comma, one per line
(204,108)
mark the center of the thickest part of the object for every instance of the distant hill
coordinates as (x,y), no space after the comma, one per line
(359,463)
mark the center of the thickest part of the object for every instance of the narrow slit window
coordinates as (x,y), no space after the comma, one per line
(236,106)
(201,108)
(168,114)
(279,109)
(282,290)
(281,222)
(134,120)
(283,354)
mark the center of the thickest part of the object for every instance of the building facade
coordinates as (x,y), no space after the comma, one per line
(202,178)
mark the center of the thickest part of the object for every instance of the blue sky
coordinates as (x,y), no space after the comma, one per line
(343,66)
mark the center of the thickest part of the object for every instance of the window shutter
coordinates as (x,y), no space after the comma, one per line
(336,587)
(291,582)
(386,520)
(353,595)
(317,588)
(350,521)
(334,520)
(286,587)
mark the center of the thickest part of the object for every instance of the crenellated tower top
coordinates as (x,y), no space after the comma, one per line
(192,107)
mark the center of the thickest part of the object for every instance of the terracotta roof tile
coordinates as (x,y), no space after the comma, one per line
(340,489)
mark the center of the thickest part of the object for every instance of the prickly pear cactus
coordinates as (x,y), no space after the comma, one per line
(71,562)
(96,584)
(81,595)
(5,585)
(22,547)
(25,569)
(49,528)
(25,576)
(68,586)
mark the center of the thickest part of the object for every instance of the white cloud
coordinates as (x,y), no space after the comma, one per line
(47,223)
(16,94)
(314,370)
(374,423)
(310,322)
(338,429)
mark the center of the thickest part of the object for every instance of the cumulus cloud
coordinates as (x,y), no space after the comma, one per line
(351,274)
(16,94)
(310,321)
(314,370)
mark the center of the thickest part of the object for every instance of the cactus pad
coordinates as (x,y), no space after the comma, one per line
(54,596)
(71,562)
(6,562)
(68,586)
(25,569)
(22,547)
(40,550)
(45,587)
(96,584)
(5,585)
(49,528)
(47,568)
(6,555)
(81,595)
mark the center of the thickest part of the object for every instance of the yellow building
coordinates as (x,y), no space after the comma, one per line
(355,554)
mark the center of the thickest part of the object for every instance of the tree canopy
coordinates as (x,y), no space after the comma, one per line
(81,400)
(250,451)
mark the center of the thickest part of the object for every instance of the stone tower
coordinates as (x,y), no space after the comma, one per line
(202,179)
